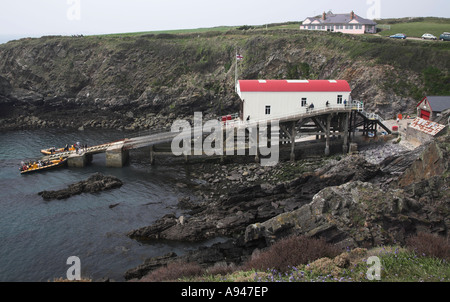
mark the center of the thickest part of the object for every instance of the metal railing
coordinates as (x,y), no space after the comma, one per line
(236,122)
(304,112)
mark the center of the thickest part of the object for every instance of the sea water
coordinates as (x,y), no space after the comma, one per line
(37,236)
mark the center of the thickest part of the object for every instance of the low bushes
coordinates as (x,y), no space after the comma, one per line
(429,245)
(301,258)
(174,271)
(291,251)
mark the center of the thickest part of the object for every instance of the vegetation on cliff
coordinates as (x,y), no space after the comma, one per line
(301,259)
(147,80)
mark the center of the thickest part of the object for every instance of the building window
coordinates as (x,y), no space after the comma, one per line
(303,102)
(339,99)
(267,110)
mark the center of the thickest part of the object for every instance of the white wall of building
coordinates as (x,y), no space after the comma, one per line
(287,103)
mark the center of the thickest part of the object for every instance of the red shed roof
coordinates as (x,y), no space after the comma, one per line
(293,85)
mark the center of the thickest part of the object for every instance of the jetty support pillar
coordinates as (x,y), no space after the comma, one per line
(327,136)
(293,135)
(116,157)
(346,133)
(77,160)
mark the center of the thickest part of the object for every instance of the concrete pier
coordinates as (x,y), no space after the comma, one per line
(79,160)
(116,157)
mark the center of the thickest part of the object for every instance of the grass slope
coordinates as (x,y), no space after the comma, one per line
(416,27)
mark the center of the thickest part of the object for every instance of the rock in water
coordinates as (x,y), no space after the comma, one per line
(95,183)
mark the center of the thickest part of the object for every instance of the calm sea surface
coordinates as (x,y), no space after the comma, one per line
(37,236)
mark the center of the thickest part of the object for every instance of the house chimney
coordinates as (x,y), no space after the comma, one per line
(324,16)
(352,15)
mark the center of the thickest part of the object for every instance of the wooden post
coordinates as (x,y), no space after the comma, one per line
(345,145)
(257,145)
(293,135)
(152,155)
(327,134)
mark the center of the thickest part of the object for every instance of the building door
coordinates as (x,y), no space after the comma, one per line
(424,114)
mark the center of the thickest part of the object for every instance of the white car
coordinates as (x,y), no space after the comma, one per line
(429,36)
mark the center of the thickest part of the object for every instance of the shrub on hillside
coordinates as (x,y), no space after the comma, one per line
(429,245)
(291,251)
(174,271)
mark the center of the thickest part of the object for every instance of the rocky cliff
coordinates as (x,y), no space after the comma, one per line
(146,81)
(347,201)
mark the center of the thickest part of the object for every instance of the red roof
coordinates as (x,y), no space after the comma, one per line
(293,85)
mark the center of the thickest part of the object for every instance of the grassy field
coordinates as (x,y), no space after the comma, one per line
(423,258)
(287,25)
(397,265)
(173,31)
(412,28)
(417,29)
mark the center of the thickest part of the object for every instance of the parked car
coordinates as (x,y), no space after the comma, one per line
(445,37)
(429,37)
(398,36)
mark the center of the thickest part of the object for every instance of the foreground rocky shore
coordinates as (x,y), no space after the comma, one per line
(93,184)
(347,200)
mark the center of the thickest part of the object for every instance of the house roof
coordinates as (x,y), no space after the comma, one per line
(438,103)
(294,86)
(341,19)
(428,127)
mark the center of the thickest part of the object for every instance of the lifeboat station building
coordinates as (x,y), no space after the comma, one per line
(272,99)
(320,108)
(431,107)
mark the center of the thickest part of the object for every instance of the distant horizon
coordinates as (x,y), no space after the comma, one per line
(4,38)
(37,18)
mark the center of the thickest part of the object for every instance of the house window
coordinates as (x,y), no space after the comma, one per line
(339,99)
(303,102)
(267,110)
(350,27)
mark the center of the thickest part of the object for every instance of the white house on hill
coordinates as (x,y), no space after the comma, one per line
(345,23)
(271,99)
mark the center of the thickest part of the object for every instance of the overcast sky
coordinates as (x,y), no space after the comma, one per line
(67,17)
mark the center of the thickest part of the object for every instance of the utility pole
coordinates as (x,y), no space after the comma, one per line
(236,72)
(236,76)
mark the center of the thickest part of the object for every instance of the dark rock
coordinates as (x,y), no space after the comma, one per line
(431,162)
(27,96)
(95,183)
(350,203)
(247,205)
(5,87)
(149,265)
(356,214)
